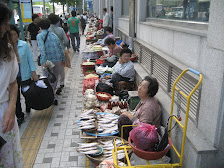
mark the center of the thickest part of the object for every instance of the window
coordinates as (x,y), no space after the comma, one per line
(194,10)
(125,7)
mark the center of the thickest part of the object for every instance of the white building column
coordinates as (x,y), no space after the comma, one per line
(101,6)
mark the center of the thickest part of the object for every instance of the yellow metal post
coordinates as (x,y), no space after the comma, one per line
(184,127)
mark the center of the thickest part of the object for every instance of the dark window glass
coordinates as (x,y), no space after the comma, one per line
(195,10)
(125,7)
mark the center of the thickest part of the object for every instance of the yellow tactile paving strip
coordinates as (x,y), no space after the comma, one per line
(33,135)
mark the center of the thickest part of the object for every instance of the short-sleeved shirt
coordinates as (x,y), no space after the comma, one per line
(8,74)
(33,29)
(74,24)
(148,111)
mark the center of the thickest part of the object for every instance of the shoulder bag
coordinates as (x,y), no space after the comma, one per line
(38,59)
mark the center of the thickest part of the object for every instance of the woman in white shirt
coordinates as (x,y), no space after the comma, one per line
(10,153)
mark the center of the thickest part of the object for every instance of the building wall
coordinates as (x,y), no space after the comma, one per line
(199,46)
(123,24)
(193,51)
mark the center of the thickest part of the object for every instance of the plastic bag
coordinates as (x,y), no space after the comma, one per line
(102,87)
(89,83)
(144,137)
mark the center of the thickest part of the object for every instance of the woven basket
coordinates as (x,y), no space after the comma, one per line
(96,160)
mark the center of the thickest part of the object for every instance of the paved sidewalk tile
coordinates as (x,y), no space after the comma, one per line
(58,148)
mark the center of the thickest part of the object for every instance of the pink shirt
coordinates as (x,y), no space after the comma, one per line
(110,36)
(115,50)
(148,111)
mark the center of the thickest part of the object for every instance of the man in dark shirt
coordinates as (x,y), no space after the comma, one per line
(33,30)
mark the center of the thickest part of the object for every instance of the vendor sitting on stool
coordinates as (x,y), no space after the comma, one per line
(114,50)
(123,69)
(148,109)
(109,33)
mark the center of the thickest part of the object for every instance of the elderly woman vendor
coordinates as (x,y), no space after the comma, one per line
(114,51)
(147,111)
(124,68)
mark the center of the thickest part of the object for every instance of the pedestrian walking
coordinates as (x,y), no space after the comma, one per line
(50,50)
(10,152)
(83,24)
(32,33)
(106,20)
(64,42)
(74,24)
(27,70)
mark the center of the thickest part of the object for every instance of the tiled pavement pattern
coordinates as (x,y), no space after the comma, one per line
(58,147)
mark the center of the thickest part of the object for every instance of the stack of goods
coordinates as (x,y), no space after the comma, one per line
(90,148)
(91,33)
(97,48)
(90,75)
(100,34)
(107,144)
(101,70)
(115,106)
(90,83)
(87,121)
(102,124)
(88,66)
(107,123)
(90,99)
(103,96)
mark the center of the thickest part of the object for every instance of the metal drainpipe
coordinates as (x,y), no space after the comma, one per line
(131,22)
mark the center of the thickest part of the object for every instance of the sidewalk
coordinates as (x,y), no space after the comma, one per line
(58,146)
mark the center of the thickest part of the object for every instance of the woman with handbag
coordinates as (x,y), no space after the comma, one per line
(54,19)
(10,153)
(50,50)
(27,70)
